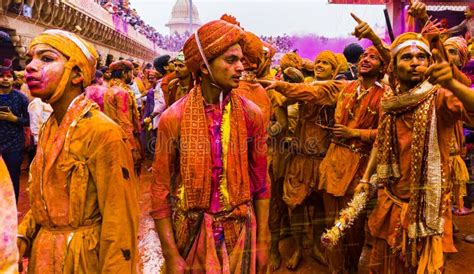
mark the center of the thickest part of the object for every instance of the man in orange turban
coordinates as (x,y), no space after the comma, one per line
(291,59)
(411,159)
(121,106)
(457,51)
(210,194)
(83,214)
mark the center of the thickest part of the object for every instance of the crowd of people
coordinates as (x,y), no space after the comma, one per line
(367,148)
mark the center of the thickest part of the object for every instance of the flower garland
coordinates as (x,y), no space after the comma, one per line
(346,218)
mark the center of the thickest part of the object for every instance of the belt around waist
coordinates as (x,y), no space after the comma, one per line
(70,229)
(240,211)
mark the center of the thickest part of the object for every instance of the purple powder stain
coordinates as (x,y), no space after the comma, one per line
(310,45)
(117,20)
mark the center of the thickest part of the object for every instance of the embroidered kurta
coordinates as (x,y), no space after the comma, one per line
(83,197)
(390,215)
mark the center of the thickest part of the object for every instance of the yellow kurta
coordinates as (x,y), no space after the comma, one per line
(83,197)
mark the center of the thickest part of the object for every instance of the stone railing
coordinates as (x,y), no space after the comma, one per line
(87,19)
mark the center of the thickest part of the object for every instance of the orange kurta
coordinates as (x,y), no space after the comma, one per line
(121,106)
(258,95)
(385,220)
(312,137)
(174,191)
(344,165)
(346,160)
(83,197)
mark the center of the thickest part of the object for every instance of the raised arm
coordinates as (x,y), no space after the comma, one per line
(461,27)
(321,94)
(363,30)
(441,73)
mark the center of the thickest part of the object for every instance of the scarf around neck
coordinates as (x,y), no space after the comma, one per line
(195,158)
(425,204)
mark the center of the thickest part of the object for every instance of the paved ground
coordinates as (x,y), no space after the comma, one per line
(151,259)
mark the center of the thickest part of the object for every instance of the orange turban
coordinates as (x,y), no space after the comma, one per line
(308,65)
(252,45)
(269,50)
(121,65)
(80,54)
(342,62)
(328,56)
(461,45)
(291,59)
(252,48)
(215,38)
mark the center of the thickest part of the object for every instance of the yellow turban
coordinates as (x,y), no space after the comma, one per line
(80,54)
(328,56)
(342,62)
(461,45)
(409,39)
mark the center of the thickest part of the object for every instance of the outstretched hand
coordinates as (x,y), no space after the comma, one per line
(363,30)
(268,84)
(440,72)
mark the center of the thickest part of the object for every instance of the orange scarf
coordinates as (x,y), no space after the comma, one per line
(195,160)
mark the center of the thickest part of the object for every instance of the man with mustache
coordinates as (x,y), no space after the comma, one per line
(210,194)
(183,82)
(83,214)
(411,158)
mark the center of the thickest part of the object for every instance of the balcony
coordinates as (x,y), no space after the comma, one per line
(24,19)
